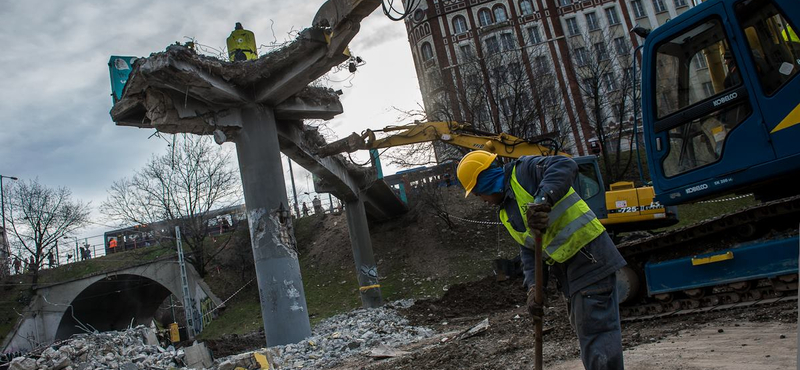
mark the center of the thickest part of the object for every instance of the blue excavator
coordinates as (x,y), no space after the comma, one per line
(721,115)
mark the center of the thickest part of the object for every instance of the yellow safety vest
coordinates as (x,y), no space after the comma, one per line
(790,35)
(572,224)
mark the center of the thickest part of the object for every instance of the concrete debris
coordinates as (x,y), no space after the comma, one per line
(475,330)
(124,350)
(376,333)
(382,352)
(353,333)
(197,356)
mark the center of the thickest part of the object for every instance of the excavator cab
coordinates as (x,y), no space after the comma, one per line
(721,100)
(589,185)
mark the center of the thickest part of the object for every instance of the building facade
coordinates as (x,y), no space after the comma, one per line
(560,70)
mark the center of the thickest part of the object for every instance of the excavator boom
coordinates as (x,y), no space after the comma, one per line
(453,133)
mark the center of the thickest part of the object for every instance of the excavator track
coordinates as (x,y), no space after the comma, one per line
(721,301)
(729,222)
(774,219)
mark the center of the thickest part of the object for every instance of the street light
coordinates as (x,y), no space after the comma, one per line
(6,249)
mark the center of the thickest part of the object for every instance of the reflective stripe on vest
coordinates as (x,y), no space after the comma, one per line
(790,35)
(572,224)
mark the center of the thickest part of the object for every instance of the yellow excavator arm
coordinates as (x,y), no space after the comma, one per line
(629,208)
(453,133)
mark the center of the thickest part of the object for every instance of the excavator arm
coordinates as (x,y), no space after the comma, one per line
(453,133)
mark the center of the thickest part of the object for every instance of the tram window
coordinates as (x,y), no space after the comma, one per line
(774,43)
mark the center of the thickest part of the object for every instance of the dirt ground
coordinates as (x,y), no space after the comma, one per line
(748,338)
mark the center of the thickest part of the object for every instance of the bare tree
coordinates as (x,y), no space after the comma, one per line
(39,216)
(603,73)
(412,155)
(181,187)
(511,88)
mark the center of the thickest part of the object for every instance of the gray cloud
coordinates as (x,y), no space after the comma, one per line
(55,89)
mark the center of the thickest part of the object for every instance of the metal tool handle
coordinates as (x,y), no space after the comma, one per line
(539,299)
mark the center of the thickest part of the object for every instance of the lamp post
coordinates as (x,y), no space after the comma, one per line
(6,249)
(3,206)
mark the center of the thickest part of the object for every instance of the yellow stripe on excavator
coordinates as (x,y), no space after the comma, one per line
(791,120)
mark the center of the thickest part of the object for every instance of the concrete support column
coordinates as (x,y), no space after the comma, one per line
(280,286)
(362,254)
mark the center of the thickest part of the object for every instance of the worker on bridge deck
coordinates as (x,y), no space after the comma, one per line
(575,245)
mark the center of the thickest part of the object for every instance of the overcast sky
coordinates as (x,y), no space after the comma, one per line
(55,89)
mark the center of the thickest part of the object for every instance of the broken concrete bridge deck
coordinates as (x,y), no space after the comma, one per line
(179,90)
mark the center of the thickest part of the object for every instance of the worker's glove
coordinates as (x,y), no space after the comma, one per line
(538,216)
(536,310)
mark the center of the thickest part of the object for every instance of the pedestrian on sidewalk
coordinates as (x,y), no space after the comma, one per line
(575,245)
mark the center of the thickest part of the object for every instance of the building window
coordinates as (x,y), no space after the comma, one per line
(708,89)
(659,7)
(459,25)
(592,22)
(500,74)
(500,13)
(581,56)
(525,7)
(629,75)
(611,14)
(466,52)
(508,41)
(610,82)
(484,17)
(427,52)
(680,3)
(492,46)
(621,46)
(541,64)
(638,9)
(700,61)
(549,95)
(535,36)
(572,26)
(600,51)
(514,70)
(564,2)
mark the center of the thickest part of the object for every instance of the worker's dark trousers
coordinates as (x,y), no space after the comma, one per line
(594,313)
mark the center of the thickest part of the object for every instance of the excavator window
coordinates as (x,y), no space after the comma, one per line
(774,44)
(587,180)
(697,82)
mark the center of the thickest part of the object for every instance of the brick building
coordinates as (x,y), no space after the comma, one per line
(558,68)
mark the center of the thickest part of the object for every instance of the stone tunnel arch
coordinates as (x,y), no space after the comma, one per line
(113,303)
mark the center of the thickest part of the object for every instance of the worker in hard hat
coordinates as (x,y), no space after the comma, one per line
(575,245)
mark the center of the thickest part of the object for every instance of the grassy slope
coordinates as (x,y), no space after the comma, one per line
(417,256)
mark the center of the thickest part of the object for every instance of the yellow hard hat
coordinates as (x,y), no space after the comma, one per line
(471,166)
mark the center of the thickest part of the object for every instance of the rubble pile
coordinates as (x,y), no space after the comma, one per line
(353,333)
(135,348)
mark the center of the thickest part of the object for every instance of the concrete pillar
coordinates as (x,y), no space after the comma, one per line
(366,269)
(280,286)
